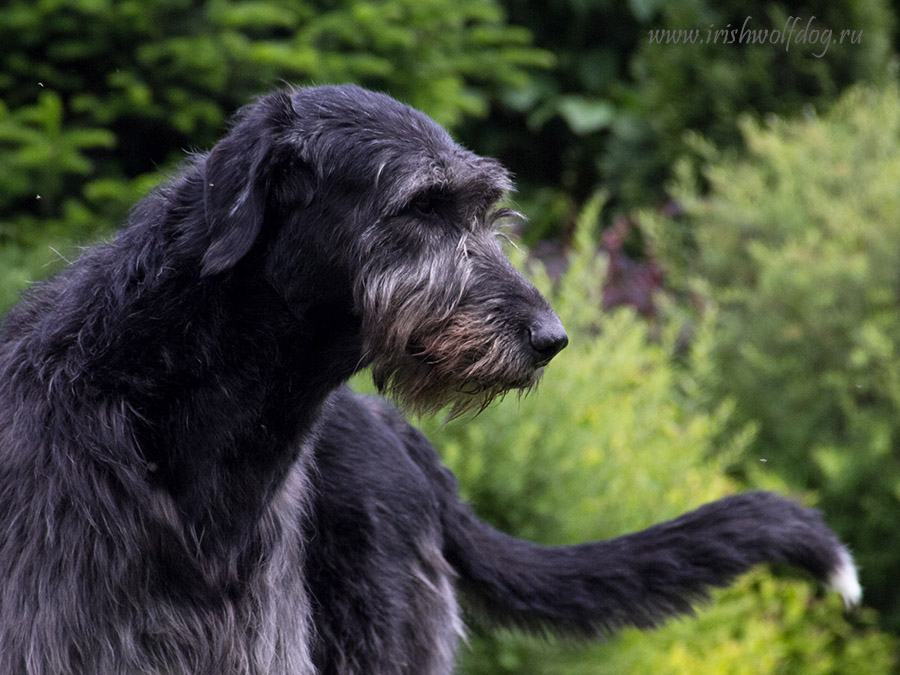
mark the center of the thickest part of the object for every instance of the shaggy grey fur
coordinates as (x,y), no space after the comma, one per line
(187,488)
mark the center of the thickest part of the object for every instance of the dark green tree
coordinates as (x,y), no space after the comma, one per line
(97,96)
(615,109)
(113,89)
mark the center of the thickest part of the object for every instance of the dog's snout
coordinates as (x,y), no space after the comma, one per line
(547,337)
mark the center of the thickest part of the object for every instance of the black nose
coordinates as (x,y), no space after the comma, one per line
(548,338)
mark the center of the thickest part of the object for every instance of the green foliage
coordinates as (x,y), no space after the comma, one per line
(705,86)
(553,129)
(798,245)
(611,442)
(40,151)
(762,625)
(614,110)
(97,95)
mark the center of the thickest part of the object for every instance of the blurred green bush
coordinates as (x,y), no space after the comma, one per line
(798,248)
(96,93)
(614,110)
(704,88)
(612,441)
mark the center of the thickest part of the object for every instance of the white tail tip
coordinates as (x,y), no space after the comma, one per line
(844,580)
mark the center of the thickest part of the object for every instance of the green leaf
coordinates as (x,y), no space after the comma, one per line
(585,115)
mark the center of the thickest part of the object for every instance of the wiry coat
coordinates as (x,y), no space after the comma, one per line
(185,486)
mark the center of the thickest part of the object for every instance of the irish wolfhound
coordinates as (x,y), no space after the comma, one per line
(187,488)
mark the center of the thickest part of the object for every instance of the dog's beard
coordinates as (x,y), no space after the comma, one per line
(464,363)
(432,343)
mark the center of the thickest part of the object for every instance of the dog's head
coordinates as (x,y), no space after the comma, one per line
(361,200)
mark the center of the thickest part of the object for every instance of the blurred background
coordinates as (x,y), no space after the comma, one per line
(716,220)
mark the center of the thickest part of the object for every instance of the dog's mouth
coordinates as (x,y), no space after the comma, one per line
(433,373)
(477,388)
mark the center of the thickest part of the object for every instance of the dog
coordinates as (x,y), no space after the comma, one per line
(187,487)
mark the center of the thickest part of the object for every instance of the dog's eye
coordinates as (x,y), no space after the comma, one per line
(430,202)
(424,204)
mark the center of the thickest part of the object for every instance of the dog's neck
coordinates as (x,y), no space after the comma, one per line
(200,389)
(218,454)
(218,380)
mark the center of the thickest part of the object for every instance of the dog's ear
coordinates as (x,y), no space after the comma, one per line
(234,198)
(251,166)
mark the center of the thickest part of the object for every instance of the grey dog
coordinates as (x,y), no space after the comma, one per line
(188,488)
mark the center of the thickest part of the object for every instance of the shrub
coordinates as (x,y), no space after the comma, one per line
(613,441)
(706,85)
(615,108)
(798,246)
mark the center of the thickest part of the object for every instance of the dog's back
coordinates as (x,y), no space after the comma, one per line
(389,525)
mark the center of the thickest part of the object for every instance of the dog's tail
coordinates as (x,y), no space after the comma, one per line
(642,578)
